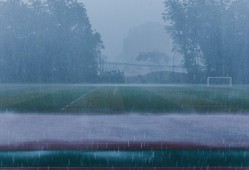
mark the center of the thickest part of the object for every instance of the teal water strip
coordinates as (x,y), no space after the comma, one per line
(126,158)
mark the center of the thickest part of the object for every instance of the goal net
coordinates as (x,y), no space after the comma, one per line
(219,81)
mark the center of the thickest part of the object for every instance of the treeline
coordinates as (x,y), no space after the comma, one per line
(114,76)
(47,41)
(212,35)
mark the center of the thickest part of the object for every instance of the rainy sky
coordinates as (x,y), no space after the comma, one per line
(114,18)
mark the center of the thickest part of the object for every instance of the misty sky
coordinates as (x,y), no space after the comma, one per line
(114,18)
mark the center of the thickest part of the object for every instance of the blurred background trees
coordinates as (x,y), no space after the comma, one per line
(212,35)
(47,42)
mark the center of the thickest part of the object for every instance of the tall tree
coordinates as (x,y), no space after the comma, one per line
(47,41)
(211,34)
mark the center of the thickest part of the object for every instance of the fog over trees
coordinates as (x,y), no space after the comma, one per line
(114,19)
(44,41)
(212,35)
(146,38)
(47,42)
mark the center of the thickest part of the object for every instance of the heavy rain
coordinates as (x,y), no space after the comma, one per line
(124,84)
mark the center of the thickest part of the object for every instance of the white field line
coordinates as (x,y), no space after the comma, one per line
(84,95)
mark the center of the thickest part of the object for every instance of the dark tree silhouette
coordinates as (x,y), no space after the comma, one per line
(47,42)
(212,35)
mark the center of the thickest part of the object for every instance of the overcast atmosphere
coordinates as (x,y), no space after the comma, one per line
(48,39)
(114,18)
(130,84)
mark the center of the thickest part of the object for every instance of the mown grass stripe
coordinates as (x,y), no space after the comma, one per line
(123,99)
(81,97)
(47,99)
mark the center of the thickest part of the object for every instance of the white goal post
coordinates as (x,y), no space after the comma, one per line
(219,81)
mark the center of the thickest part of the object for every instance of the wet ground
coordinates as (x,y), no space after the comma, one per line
(200,130)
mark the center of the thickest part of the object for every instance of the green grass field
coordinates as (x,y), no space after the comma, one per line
(122,99)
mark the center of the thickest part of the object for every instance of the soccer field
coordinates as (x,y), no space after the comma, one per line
(100,126)
(116,99)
